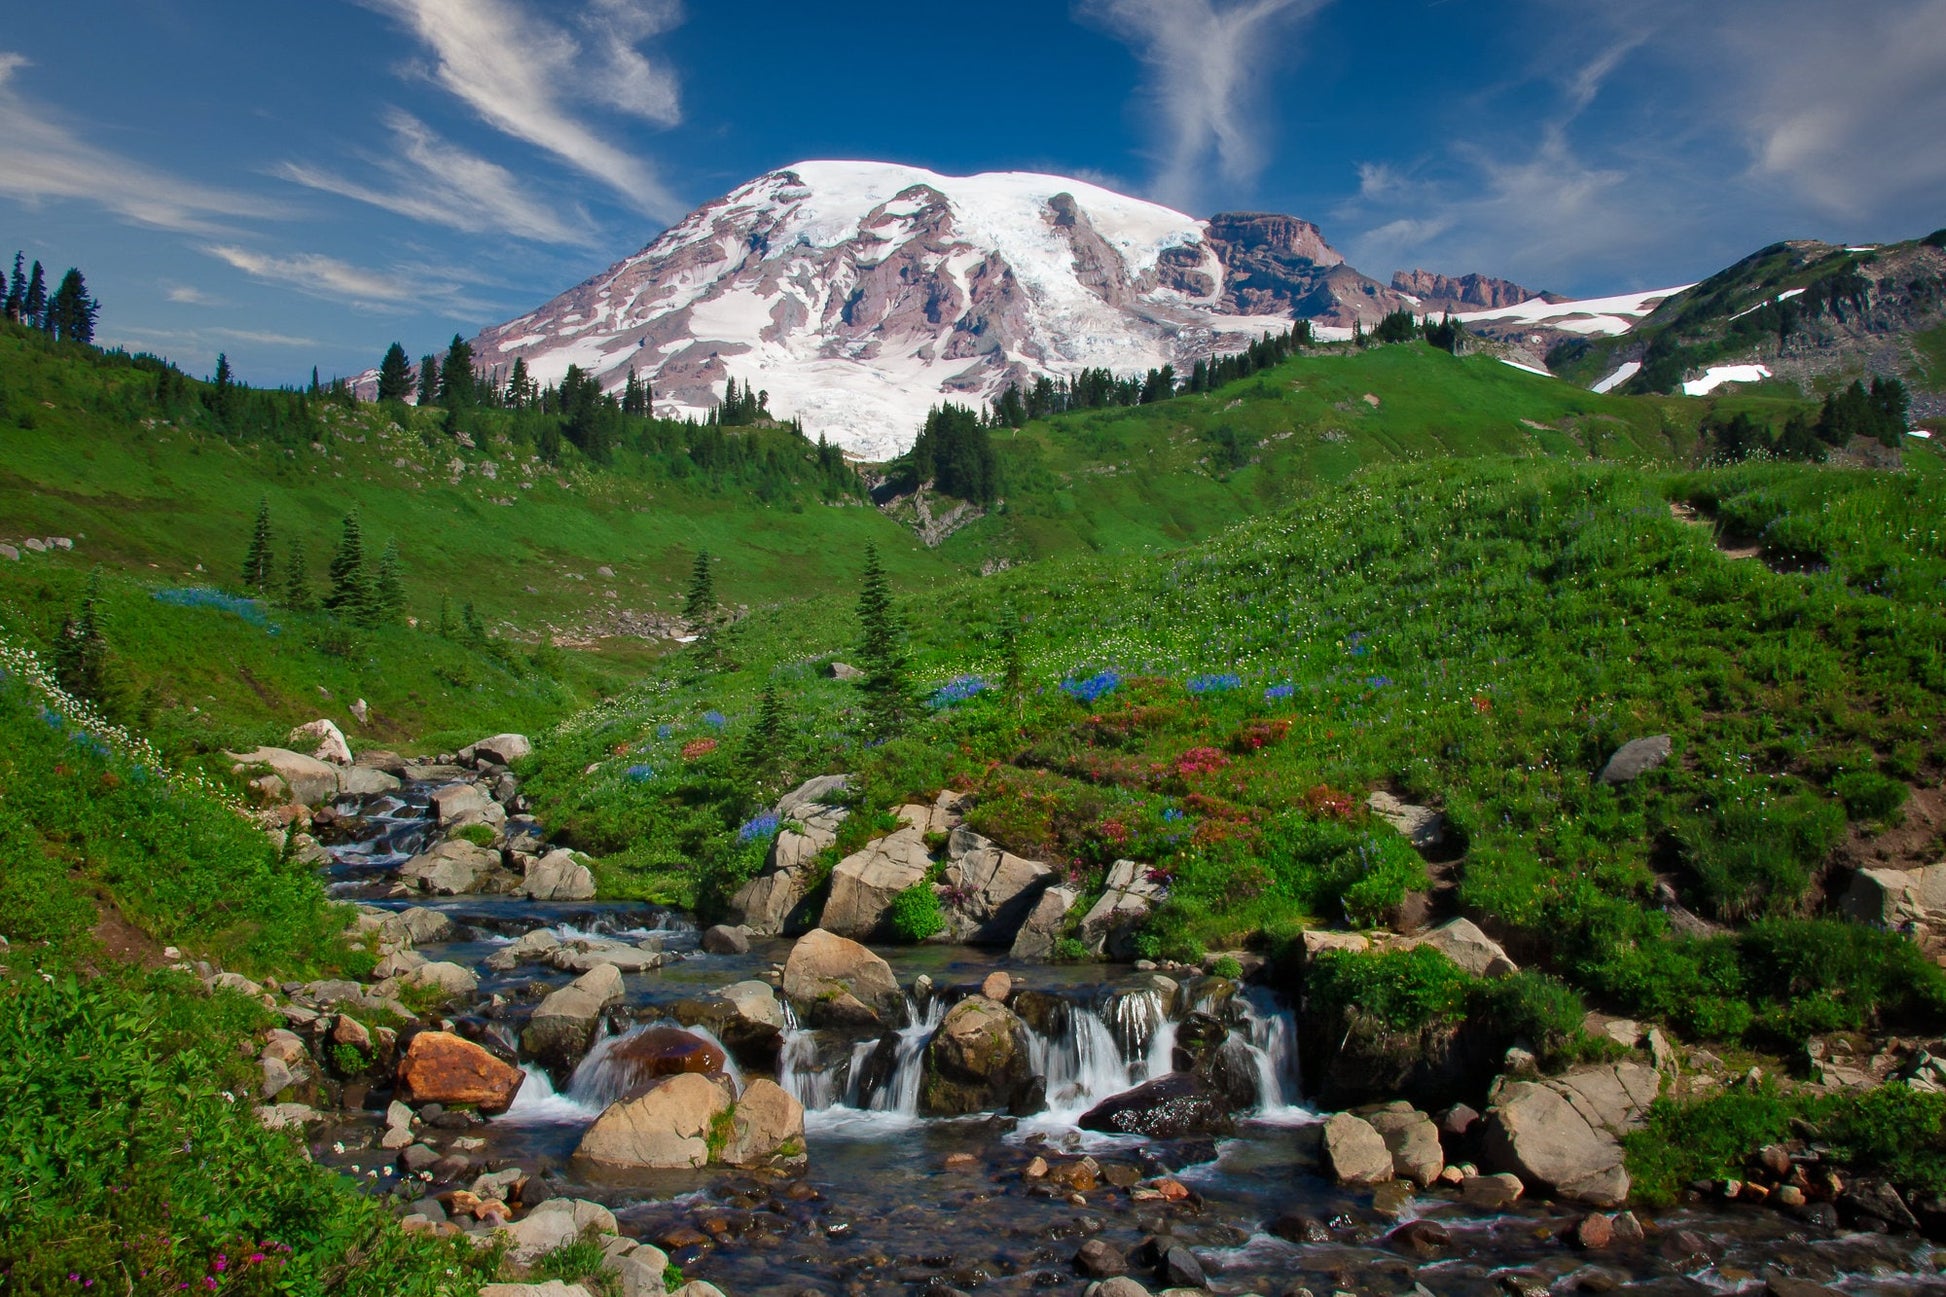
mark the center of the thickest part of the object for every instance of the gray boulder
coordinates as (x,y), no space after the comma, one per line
(835,982)
(558,876)
(864,884)
(665,1127)
(1422,826)
(1462,942)
(1636,758)
(1562,1137)
(764,904)
(452,868)
(1413,1141)
(725,940)
(306,780)
(563,1025)
(976,1062)
(501,749)
(1109,926)
(1034,943)
(990,892)
(1354,1151)
(458,806)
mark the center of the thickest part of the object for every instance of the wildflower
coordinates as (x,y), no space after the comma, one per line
(638,774)
(1275,693)
(1171,815)
(956,690)
(221,1263)
(714,719)
(1214,684)
(1086,691)
(1378,682)
(664,731)
(761,826)
(698,748)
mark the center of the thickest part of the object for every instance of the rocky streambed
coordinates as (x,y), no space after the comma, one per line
(792,1114)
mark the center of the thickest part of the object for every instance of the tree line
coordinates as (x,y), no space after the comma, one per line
(68,314)
(1877,412)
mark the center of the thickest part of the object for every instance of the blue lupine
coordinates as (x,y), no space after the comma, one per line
(957,690)
(638,774)
(1215,684)
(1276,692)
(760,827)
(714,719)
(1086,691)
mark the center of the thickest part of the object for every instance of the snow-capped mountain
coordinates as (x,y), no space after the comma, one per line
(860,294)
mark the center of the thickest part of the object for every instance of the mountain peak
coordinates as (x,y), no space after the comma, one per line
(860,294)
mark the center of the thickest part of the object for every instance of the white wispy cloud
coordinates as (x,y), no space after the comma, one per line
(431,179)
(395,288)
(186,295)
(1204,59)
(525,75)
(44,158)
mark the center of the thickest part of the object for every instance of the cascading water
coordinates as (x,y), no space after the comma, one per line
(1270,1035)
(1084,1061)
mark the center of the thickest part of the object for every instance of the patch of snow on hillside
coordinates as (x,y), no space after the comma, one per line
(1627,371)
(1789,293)
(1920,433)
(1721,374)
(1515,364)
(1604,316)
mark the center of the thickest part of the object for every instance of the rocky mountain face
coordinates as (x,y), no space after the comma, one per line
(859,295)
(1462,293)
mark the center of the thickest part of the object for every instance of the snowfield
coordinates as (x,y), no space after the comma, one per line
(1606,317)
(1721,374)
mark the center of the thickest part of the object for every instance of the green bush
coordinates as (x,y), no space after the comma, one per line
(1685,1142)
(1335,869)
(1894,1130)
(1404,989)
(1758,852)
(916,914)
(1869,795)
(1227,966)
(1536,1009)
(480,835)
(1812,976)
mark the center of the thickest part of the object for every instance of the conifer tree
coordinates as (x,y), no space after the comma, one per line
(881,654)
(520,386)
(394,375)
(256,559)
(699,605)
(71,314)
(34,303)
(17,288)
(763,748)
(388,586)
(350,595)
(456,381)
(297,580)
(429,380)
(81,652)
(444,626)
(471,624)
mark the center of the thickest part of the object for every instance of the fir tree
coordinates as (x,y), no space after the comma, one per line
(388,586)
(699,606)
(297,580)
(445,623)
(256,559)
(881,654)
(763,747)
(34,303)
(350,595)
(394,375)
(456,380)
(429,380)
(81,652)
(470,622)
(71,314)
(17,288)
(520,386)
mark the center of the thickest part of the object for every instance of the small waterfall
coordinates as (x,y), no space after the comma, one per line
(537,1104)
(798,1071)
(606,1074)
(1270,1035)
(900,1092)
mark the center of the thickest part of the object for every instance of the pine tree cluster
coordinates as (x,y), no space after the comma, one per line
(68,315)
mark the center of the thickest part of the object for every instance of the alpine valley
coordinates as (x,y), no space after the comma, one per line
(941,736)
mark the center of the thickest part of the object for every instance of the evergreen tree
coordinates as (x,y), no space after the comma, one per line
(429,380)
(221,382)
(350,595)
(457,383)
(34,304)
(763,747)
(71,314)
(256,559)
(17,289)
(297,580)
(81,652)
(520,386)
(881,654)
(388,586)
(470,622)
(394,375)
(699,609)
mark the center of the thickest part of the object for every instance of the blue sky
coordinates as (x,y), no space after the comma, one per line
(300,184)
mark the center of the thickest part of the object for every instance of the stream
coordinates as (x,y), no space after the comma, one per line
(880,1209)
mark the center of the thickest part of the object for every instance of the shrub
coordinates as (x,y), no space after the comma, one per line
(1869,795)
(1542,1013)
(1404,989)
(1227,966)
(1702,1141)
(480,835)
(572,1261)
(1330,867)
(1758,852)
(916,914)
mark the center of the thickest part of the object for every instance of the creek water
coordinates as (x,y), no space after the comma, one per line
(879,1209)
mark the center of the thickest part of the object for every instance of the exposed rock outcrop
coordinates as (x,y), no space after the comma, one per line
(864,884)
(1128,898)
(989,892)
(765,904)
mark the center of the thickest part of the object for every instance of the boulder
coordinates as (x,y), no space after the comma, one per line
(1562,1137)
(1100,1259)
(503,749)
(1109,926)
(766,1128)
(1175,1106)
(754,1002)
(810,824)
(556,1222)
(976,1062)
(990,892)
(1034,943)
(531,946)
(1413,1141)
(1461,941)
(453,868)
(1354,1152)
(1422,826)
(558,876)
(440,1067)
(563,1025)
(666,1127)
(655,1052)
(363,781)
(835,982)
(864,884)
(307,780)
(583,954)
(326,741)
(1495,1192)
(1898,899)
(456,806)
(1636,758)
(725,940)
(448,978)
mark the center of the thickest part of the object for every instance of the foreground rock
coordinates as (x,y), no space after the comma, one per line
(765,904)
(558,876)
(1176,1106)
(977,1062)
(292,777)
(455,868)
(1109,927)
(666,1127)
(1562,1137)
(440,1067)
(1462,942)
(766,1128)
(563,1026)
(1355,1152)
(1034,943)
(864,884)
(1900,900)
(835,982)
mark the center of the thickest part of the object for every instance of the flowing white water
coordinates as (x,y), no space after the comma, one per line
(537,1104)
(1271,1036)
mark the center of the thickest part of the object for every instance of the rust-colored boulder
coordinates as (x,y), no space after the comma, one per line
(440,1067)
(656,1052)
